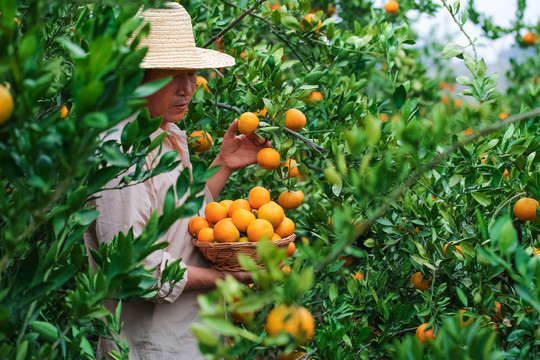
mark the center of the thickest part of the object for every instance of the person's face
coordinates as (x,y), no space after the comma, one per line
(172,100)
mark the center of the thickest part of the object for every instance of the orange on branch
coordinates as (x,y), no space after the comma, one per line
(225,231)
(530,39)
(242,218)
(309,18)
(239,204)
(63,111)
(295,119)
(196,224)
(291,199)
(248,123)
(391,7)
(463,318)
(215,212)
(268,159)
(419,282)
(6,104)
(292,170)
(423,335)
(262,112)
(201,81)
(316,96)
(357,276)
(458,248)
(525,209)
(258,196)
(271,212)
(294,320)
(285,228)
(203,141)
(259,229)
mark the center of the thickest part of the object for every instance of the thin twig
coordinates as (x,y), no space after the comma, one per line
(430,166)
(445,4)
(234,22)
(309,143)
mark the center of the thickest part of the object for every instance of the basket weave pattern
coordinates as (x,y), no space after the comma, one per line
(224,256)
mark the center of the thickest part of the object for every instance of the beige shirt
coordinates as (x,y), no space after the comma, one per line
(153,330)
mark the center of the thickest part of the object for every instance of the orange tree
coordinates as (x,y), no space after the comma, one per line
(391,174)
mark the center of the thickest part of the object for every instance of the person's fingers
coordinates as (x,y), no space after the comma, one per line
(231,131)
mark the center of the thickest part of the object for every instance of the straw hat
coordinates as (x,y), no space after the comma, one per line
(171,44)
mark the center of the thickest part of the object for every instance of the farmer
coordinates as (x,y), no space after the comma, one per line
(160,329)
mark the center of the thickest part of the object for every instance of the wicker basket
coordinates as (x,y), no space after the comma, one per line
(224,256)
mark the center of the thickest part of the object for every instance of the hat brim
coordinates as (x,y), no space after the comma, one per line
(189,59)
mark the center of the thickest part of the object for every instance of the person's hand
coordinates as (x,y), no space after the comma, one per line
(240,151)
(242,276)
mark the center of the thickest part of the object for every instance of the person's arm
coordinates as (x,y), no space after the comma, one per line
(205,278)
(236,152)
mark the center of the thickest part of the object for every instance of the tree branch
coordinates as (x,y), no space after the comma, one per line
(308,142)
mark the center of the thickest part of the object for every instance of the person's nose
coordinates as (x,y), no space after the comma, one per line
(184,87)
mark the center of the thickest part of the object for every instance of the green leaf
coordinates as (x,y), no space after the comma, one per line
(452,50)
(400,96)
(503,234)
(289,21)
(150,88)
(96,120)
(462,296)
(481,198)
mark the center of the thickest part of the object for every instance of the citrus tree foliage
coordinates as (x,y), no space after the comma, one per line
(394,164)
(73,78)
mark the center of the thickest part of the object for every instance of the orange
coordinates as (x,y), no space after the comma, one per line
(295,119)
(248,123)
(309,18)
(445,99)
(483,158)
(457,250)
(331,10)
(423,335)
(506,174)
(202,82)
(295,320)
(215,212)
(259,229)
(225,231)
(242,218)
(291,248)
(468,131)
(286,270)
(268,159)
(348,260)
(276,237)
(275,7)
(457,102)
(535,250)
(316,95)
(462,320)
(497,311)
(419,282)
(391,7)
(226,203)
(206,234)
(525,209)
(196,224)
(452,87)
(286,228)
(258,196)
(383,117)
(293,355)
(503,115)
(357,276)
(530,38)
(6,104)
(291,199)
(271,212)
(203,141)
(63,111)
(261,112)
(292,170)
(239,204)
(243,239)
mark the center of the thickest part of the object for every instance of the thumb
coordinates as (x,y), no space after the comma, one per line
(231,131)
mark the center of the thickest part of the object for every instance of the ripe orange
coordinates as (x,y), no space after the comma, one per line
(503,115)
(497,311)
(259,229)
(309,18)
(262,112)
(391,7)
(286,228)
(286,270)
(276,237)
(358,275)
(242,218)
(6,104)
(383,117)
(462,320)
(423,335)
(530,38)
(215,212)
(268,159)
(239,204)
(445,99)
(271,212)
(316,95)
(458,248)
(348,260)
(196,224)
(295,119)
(226,203)
(525,209)
(293,355)
(291,248)
(206,234)
(225,231)
(291,199)
(203,141)
(258,196)
(63,111)
(506,174)
(457,102)
(295,320)
(275,7)
(202,82)
(248,123)
(468,131)
(419,282)
(292,170)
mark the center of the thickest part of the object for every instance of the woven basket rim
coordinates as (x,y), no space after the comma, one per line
(237,245)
